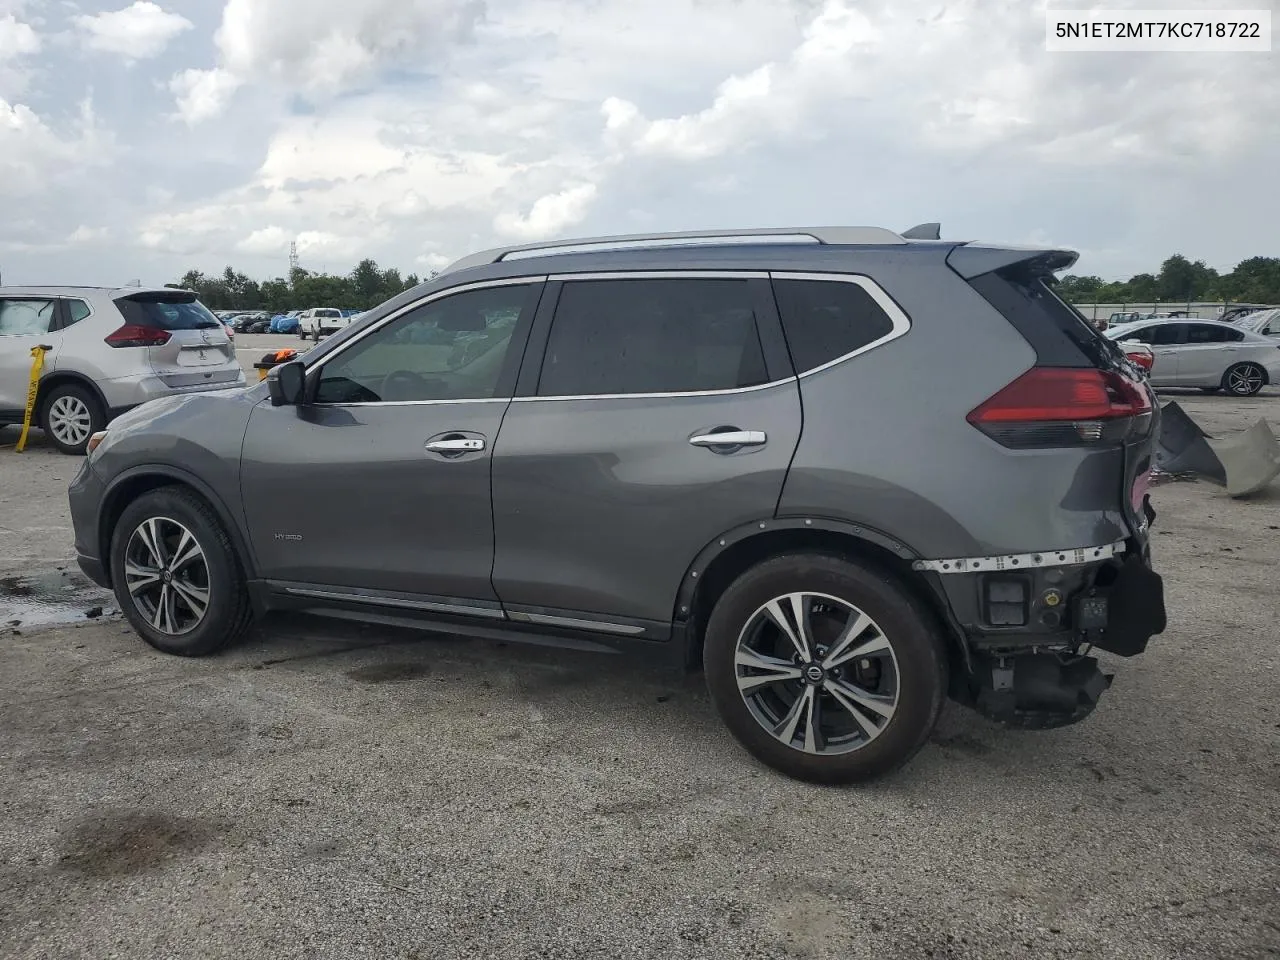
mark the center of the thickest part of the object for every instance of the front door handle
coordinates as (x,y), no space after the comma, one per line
(456,445)
(730,438)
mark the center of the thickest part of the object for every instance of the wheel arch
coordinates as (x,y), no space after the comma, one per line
(731,554)
(60,378)
(136,481)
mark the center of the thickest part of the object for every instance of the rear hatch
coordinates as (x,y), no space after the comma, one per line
(190,346)
(1082,392)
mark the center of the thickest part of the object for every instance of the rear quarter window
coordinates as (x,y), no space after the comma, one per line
(824,320)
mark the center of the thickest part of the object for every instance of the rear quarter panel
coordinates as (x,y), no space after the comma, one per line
(885,443)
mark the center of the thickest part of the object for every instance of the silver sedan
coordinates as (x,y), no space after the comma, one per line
(1206,354)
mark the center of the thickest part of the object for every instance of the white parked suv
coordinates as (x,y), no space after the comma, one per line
(110,349)
(320,321)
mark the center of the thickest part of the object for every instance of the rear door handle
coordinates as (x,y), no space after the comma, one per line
(456,445)
(730,438)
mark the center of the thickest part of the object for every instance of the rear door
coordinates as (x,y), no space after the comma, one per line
(196,352)
(608,477)
(1208,351)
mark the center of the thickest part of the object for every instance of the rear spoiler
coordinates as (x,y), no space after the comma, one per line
(974,259)
(160,296)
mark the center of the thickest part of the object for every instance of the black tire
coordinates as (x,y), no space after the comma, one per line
(228,613)
(911,632)
(82,399)
(316,335)
(1244,379)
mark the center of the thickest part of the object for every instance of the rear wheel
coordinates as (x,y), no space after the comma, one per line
(71,415)
(824,669)
(175,574)
(1244,379)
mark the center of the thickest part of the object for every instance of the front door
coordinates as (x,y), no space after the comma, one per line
(657,422)
(25,323)
(1166,341)
(379,483)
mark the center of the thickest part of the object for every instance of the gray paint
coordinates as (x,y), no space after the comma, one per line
(596,508)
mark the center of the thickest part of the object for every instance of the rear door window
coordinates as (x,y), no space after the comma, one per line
(22,316)
(1207,333)
(825,320)
(652,336)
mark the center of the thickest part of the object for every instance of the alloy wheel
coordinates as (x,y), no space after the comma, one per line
(817,673)
(167,576)
(70,420)
(1245,380)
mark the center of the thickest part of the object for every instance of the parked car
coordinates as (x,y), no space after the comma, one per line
(320,321)
(1265,322)
(1208,354)
(286,323)
(244,321)
(714,452)
(110,349)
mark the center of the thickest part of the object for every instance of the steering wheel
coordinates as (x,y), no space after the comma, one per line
(408,385)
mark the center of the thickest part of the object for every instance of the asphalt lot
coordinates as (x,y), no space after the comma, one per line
(326,790)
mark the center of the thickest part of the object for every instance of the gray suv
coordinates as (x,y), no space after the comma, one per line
(109,349)
(849,472)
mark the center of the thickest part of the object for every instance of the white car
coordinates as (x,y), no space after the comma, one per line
(320,321)
(1205,353)
(1265,322)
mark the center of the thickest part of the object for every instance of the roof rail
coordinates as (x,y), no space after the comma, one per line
(825,235)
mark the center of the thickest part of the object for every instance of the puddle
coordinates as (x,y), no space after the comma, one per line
(50,599)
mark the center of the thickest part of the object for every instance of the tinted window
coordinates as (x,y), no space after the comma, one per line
(18,317)
(1203,333)
(652,336)
(77,310)
(1145,335)
(449,349)
(168,313)
(1169,333)
(825,319)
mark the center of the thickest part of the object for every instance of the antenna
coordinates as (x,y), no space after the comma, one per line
(293,255)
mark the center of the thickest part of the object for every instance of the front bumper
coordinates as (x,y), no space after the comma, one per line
(85,496)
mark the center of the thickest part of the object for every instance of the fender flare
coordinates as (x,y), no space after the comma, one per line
(238,540)
(743,532)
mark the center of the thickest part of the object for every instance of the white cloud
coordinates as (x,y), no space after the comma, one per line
(267,240)
(202,94)
(34,157)
(321,47)
(84,234)
(548,215)
(17,39)
(136,32)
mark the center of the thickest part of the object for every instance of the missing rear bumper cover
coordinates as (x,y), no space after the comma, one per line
(1023,561)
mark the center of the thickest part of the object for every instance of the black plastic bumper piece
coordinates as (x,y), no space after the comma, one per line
(1039,691)
(93,569)
(1134,609)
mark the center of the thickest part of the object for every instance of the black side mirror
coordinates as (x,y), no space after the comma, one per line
(287,383)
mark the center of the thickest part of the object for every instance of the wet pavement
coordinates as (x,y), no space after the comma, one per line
(50,599)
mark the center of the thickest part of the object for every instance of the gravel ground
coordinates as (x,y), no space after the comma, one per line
(326,790)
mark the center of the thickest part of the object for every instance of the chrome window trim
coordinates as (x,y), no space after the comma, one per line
(662,275)
(901,323)
(661,396)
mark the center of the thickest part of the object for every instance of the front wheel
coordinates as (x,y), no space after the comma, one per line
(824,669)
(175,574)
(1244,379)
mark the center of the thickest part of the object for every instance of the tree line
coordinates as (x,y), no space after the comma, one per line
(1256,280)
(367,285)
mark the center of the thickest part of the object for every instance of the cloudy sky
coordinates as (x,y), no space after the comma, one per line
(139,140)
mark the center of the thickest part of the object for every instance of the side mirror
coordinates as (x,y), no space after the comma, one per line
(287,383)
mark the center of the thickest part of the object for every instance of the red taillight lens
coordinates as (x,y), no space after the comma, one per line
(1056,407)
(1144,360)
(136,335)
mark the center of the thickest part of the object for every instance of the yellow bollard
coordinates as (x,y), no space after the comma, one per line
(37,364)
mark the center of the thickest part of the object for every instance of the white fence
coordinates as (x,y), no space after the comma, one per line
(1202,309)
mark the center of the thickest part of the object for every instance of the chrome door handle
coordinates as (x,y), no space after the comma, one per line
(730,438)
(459,445)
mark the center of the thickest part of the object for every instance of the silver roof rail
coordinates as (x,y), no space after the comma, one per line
(831,235)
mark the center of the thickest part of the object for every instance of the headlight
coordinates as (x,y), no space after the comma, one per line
(94,440)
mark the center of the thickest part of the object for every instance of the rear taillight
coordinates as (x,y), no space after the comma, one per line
(1065,407)
(1144,360)
(136,335)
